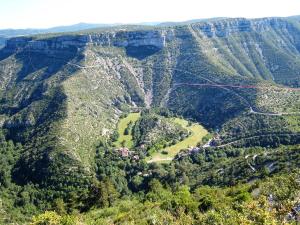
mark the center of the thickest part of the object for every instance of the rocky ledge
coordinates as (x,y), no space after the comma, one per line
(226,27)
(155,37)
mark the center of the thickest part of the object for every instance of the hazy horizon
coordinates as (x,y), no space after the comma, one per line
(20,14)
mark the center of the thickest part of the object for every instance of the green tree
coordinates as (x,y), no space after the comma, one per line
(59,206)
(105,193)
(126,131)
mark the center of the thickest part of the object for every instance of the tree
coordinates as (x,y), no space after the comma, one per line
(114,136)
(105,193)
(184,198)
(59,206)
(126,131)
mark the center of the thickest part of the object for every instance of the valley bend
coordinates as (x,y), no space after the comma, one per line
(138,112)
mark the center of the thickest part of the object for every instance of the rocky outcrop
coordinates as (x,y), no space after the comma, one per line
(156,38)
(224,28)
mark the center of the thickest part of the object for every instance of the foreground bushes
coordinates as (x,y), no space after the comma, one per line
(266,202)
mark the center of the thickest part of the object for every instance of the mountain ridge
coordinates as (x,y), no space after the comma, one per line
(218,28)
(62,94)
(63,97)
(10,32)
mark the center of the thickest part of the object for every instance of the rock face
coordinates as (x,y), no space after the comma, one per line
(156,38)
(119,39)
(224,28)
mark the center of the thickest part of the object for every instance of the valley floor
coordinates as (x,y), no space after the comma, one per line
(197,133)
(126,140)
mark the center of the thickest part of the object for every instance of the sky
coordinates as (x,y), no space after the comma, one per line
(49,13)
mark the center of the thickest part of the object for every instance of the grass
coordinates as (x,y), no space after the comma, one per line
(198,132)
(123,124)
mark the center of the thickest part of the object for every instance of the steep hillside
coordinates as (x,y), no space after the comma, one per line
(63,94)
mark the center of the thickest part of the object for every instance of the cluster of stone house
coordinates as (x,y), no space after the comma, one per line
(125,152)
(193,149)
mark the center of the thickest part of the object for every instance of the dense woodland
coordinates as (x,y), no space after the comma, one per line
(213,186)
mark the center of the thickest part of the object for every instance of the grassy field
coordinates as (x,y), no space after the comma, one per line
(198,132)
(123,124)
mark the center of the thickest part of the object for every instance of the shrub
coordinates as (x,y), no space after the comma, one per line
(52,218)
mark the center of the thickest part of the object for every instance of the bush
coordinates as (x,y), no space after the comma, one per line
(114,136)
(52,218)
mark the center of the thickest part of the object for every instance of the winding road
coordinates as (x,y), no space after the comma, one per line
(256,136)
(213,84)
